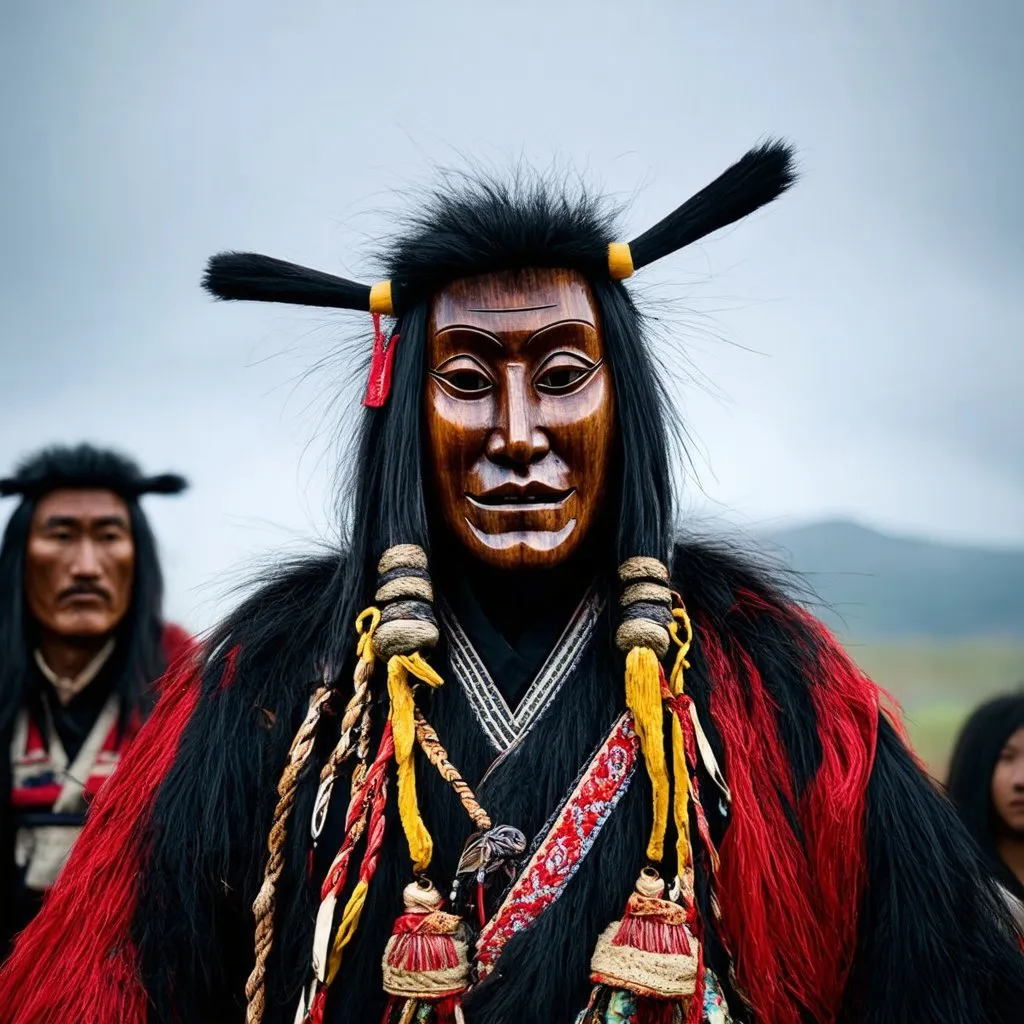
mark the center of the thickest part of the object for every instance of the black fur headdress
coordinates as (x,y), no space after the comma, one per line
(559,235)
(85,466)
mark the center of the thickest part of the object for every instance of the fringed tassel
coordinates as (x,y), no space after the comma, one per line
(426,961)
(646,965)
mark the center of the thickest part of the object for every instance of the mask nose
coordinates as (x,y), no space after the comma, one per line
(518,439)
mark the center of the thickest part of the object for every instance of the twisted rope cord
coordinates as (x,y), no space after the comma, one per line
(438,757)
(356,817)
(350,720)
(362,751)
(356,714)
(265,902)
(366,806)
(358,705)
(377,797)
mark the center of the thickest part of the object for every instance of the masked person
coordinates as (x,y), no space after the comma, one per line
(569,765)
(986,785)
(82,640)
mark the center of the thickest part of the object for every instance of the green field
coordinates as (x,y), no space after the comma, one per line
(938,684)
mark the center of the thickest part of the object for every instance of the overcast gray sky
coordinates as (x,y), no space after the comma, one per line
(856,349)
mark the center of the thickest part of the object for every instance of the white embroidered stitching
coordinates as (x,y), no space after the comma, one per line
(501,726)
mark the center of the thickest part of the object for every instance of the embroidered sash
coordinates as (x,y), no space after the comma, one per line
(563,843)
(503,727)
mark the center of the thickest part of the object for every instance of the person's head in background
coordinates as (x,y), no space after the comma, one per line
(986,784)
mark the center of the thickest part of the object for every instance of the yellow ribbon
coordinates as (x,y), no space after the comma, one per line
(643,698)
(680,805)
(364,648)
(403,727)
(346,928)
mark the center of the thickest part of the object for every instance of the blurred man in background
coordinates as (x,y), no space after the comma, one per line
(986,783)
(81,642)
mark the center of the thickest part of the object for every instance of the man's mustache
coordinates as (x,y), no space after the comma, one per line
(84,589)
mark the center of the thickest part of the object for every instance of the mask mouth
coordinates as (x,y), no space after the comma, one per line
(522,496)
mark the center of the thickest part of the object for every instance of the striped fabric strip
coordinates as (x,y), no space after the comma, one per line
(502,726)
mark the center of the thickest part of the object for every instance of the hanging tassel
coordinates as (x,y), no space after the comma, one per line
(403,722)
(648,966)
(643,636)
(643,698)
(378,384)
(407,628)
(651,954)
(426,961)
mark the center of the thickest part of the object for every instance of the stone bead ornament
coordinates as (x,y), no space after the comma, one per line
(404,592)
(646,606)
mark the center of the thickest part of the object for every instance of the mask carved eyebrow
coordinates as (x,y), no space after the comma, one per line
(466,328)
(480,332)
(571,322)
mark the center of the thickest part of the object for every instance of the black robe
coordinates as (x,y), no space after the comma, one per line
(933,942)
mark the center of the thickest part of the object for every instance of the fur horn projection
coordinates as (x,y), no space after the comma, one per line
(760,176)
(85,467)
(248,275)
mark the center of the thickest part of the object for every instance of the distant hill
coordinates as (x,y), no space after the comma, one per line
(879,586)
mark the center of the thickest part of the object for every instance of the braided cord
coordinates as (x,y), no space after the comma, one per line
(264,905)
(438,757)
(356,714)
(377,792)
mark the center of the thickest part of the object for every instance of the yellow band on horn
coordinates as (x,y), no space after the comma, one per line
(380,298)
(620,261)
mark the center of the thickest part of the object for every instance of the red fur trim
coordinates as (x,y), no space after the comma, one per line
(76,962)
(790,908)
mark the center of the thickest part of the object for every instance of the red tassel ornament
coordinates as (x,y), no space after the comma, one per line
(426,960)
(651,953)
(378,384)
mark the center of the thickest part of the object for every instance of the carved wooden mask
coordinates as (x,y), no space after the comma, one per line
(520,414)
